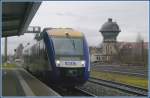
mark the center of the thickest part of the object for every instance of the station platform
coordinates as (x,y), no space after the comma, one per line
(18,82)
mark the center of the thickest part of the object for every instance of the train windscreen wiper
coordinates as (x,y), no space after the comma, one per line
(72,41)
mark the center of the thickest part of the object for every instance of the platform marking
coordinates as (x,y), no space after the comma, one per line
(26,88)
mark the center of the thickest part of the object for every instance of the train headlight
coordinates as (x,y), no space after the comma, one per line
(57,62)
(83,63)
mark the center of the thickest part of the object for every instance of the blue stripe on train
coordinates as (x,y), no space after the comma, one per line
(51,55)
(86,57)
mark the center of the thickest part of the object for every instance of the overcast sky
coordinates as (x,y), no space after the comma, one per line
(88,17)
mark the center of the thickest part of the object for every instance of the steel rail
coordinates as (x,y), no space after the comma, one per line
(72,91)
(124,87)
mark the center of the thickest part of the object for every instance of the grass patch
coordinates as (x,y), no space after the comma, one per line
(6,65)
(126,79)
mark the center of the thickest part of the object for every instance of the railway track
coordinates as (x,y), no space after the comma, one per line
(126,70)
(68,91)
(126,73)
(71,91)
(88,93)
(123,87)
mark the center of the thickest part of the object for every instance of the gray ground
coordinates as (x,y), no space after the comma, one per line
(27,85)
(10,84)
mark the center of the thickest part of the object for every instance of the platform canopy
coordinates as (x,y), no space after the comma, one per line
(16,17)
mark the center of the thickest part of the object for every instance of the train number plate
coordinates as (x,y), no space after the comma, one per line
(70,63)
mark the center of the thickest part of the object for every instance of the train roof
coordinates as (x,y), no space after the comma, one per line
(63,32)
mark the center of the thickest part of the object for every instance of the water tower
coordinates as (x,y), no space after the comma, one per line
(110,31)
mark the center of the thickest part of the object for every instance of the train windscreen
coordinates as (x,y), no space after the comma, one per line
(68,46)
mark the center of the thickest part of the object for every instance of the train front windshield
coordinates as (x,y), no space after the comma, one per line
(68,46)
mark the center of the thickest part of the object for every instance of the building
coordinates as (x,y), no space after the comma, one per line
(110,31)
(97,55)
(129,52)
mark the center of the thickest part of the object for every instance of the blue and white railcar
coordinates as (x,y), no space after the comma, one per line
(61,56)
